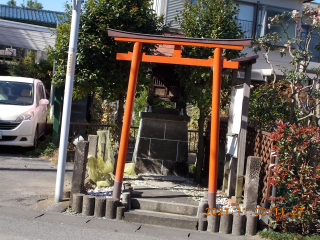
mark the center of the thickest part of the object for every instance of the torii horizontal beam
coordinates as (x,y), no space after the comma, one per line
(178,60)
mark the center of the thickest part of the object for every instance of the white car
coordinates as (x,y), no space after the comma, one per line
(23,111)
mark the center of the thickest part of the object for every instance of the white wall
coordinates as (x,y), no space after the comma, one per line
(274,57)
(160,6)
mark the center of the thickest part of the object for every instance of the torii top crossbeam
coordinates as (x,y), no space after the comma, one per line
(217,63)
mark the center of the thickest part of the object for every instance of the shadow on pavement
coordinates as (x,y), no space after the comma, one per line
(13,151)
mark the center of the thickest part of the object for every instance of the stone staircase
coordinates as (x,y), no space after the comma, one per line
(161,213)
(166,208)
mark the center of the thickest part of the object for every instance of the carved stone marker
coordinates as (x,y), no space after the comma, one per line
(252,183)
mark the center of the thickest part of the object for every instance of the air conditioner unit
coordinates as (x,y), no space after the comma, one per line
(11,52)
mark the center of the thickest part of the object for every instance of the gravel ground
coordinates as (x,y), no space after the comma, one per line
(170,183)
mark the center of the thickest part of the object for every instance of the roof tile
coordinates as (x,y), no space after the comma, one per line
(29,14)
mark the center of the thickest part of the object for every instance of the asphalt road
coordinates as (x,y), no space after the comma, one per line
(28,182)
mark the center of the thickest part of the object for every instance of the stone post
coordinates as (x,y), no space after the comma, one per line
(93,145)
(252,183)
(238,224)
(225,223)
(120,212)
(232,177)
(213,223)
(126,200)
(203,205)
(79,169)
(100,207)
(77,202)
(252,222)
(202,224)
(88,205)
(111,208)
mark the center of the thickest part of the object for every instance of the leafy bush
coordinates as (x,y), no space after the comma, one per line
(267,103)
(296,176)
(192,168)
(27,67)
(45,148)
(286,236)
(304,97)
(4,68)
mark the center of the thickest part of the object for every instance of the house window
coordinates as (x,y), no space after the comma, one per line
(271,12)
(245,19)
(260,21)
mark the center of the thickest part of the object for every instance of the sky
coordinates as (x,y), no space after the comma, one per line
(57,5)
(53,5)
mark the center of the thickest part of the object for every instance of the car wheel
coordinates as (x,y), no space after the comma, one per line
(35,139)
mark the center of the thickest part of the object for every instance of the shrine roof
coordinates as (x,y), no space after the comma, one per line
(246,60)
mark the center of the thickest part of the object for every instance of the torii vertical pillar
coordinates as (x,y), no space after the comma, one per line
(215,121)
(136,59)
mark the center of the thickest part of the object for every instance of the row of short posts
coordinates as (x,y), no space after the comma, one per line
(110,208)
(227,222)
(235,223)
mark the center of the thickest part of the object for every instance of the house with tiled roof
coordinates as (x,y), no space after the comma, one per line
(26,29)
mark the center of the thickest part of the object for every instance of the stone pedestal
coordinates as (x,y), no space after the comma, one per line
(162,144)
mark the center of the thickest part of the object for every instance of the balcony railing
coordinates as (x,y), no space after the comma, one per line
(247,27)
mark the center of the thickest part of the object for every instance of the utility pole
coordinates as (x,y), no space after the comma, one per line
(53,89)
(65,122)
(52,92)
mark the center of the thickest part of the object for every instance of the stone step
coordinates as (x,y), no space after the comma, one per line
(168,207)
(161,219)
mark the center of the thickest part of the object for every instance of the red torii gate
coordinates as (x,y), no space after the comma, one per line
(217,63)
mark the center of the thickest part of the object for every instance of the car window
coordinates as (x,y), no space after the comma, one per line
(16,93)
(43,96)
(43,92)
